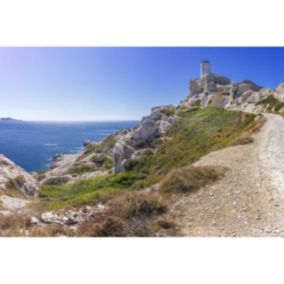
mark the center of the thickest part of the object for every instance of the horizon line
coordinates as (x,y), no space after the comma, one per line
(73,121)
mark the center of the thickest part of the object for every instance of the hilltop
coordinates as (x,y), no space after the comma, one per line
(176,173)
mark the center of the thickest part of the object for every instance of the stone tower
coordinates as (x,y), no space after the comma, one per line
(205,68)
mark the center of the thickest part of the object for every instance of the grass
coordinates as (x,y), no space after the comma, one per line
(84,192)
(81,169)
(103,147)
(129,214)
(242,141)
(20,225)
(103,162)
(272,103)
(197,132)
(189,179)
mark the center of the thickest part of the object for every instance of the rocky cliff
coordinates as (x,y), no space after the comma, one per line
(219,91)
(14,178)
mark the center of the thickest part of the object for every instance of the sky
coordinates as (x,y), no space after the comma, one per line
(90,84)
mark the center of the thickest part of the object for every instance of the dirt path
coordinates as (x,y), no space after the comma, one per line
(247,201)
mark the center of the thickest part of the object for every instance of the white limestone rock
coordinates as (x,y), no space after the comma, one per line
(14,177)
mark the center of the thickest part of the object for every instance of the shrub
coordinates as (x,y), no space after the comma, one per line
(81,169)
(189,179)
(272,103)
(138,205)
(169,111)
(130,164)
(103,162)
(15,183)
(130,214)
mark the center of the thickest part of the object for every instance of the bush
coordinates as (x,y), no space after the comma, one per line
(15,183)
(138,205)
(130,214)
(189,179)
(272,103)
(81,169)
(102,162)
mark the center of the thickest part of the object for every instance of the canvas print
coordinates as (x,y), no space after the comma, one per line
(141,142)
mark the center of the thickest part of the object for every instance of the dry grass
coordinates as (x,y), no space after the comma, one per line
(130,214)
(246,138)
(258,124)
(242,141)
(19,225)
(190,178)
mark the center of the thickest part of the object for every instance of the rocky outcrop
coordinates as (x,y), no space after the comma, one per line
(157,123)
(218,91)
(12,177)
(121,153)
(246,86)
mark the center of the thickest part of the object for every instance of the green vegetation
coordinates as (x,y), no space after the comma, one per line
(189,179)
(197,132)
(81,169)
(169,111)
(272,103)
(105,146)
(103,162)
(88,191)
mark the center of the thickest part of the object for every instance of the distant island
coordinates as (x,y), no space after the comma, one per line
(9,119)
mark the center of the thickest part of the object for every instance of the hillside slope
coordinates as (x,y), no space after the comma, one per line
(247,201)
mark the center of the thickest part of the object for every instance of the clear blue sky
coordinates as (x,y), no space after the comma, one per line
(117,83)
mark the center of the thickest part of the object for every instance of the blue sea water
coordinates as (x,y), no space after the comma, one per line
(32,145)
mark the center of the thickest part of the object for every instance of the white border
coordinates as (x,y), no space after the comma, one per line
(141,23)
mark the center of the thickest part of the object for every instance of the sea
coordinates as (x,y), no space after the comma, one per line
(32,145)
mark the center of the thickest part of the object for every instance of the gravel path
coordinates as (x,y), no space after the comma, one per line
(272,150)
(247,201)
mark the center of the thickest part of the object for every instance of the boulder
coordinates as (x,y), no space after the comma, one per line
(147,131)
(164,126)
(34,220)
(50,217)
